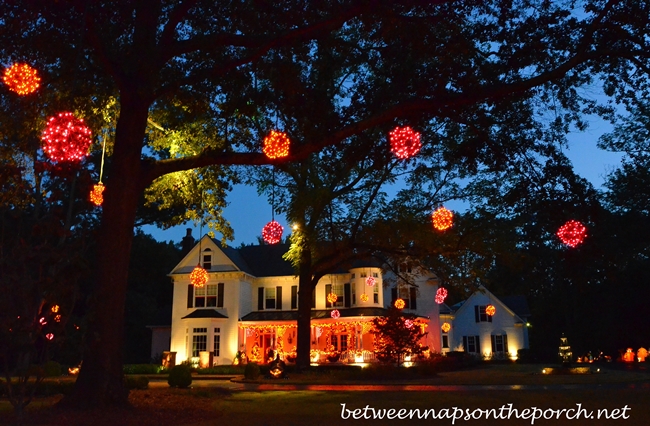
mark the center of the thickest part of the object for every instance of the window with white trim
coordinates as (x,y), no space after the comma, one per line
(207,259)
(199,340)
(216,346)
(269,297)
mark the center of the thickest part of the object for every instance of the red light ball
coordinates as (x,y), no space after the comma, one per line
(441,295)
(572,233)
(66,138)
(370,281)
(335,314)
(404,142)
(272,232)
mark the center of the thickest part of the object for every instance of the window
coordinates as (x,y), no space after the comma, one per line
(471,344)
(199,340)
(406,293)
(375,275)
(294,297)
(209,296)
(363,275)
(445,341)
(499,343)
(352,276)
(340,342)
(353,292)
(269,296)
(199,296)
(375,293)
(480,315)
(217,341)
(343,296)
(207,259)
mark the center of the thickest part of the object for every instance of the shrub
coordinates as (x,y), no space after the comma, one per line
(137,382)
(180,376)
(52,369)
(252,371)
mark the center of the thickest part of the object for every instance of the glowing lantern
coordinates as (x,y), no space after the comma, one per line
(57,318)
(66,138)
(441,295)
(332,298)
(55,308)
(335,314)
(442,219)
(572,233)
(276,145)
(272,232)
(490,310)
(370,281)
(22,79)
(642,354)
(404,142)
(42,321)
(629,355)
(446,327)
(364,297)
(96,196)
(199,276)
(399,303)
(408,323)
(49,336)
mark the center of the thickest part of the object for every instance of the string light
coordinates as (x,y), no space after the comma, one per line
(332,298)
(399,303)
(572,233)
(441,295)
(446,327)
(364,297)
(442,218)
(370,281)
(55,308)
(22,79)
(276,145)
(272,232)
(490,310)
(199,276)
(49,336)
(404,142)
(66,138)
(96,194)
(335,314)
(408,323)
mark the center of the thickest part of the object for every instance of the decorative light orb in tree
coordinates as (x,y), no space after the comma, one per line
(55,308)
(445,327)
(22,79)
(404,142)
(49,336)
(332,298)
(66,138)
(441,295)
(370,281)
(442,219)
(572,233)
(335,314)
(272,232)
(364,297)
(57,318)
(408,323)
(490,310)
(96,194)
(399,303)
(276,145)
(199,276)
(42,321)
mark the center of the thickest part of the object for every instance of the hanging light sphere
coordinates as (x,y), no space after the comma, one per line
(272,232)
(335,314)
(572,233)
(364,297)
(199,276)
(370,281)
(49,336)
(404,142)
(276,145)
(399,303)
(96,194)
(442,219)
(408,323)
(490,310)
(332,298)
(66,138)
(22,79)
(441,295)
(55,308)
(446,327)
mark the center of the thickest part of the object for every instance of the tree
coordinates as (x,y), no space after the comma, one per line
(397,335)
(150,56)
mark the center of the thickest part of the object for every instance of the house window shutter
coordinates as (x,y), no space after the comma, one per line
(278,298)
(260,299)
(328,290)
(346,295)
(494,343)
(393,296)
(477,318)
(220,295)
(190,296)
(294,297)
(505,343)
(413,298)
(465,348)
(478,344)
(313,298)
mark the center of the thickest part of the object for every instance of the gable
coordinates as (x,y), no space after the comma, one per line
(221,262)
(483,297)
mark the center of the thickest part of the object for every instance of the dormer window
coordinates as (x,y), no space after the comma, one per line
(207,259)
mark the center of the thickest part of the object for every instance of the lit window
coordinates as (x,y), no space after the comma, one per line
(269,293)
(199,340)
(207,259)
(480,315)
(217,341)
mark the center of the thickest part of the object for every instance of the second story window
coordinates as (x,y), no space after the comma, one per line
(269,296)
(480,315)
(209,296)
(207,259)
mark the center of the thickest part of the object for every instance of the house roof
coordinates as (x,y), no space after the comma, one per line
(517,304)
(261,261)
(205,313)
(315,314)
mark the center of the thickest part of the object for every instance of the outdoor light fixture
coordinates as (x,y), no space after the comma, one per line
(272,232)
(442,219)
(276,145)
(66,138)
(404,142)
(22,79)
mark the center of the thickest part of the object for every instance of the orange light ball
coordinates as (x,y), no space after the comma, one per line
(446,327)
(400,304)
(332,298)
(96,194)
(442,218)
(22,79)
(490,310)
(199,276)
(276,145)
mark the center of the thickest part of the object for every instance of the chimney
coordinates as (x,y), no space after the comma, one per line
(187,242)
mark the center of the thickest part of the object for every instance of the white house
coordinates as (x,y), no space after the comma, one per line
(250,302)
(473,330)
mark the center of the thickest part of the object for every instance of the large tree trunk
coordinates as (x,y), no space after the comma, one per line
(305,290)
(100,380)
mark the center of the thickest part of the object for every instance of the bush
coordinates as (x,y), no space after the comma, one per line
(52,369)
(137,382)
(180,376)
(252,371)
